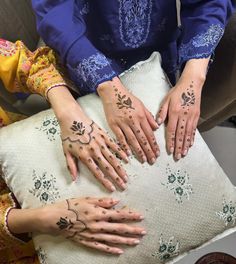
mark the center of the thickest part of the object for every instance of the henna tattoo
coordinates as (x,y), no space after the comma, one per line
(78,128)
(81,131)
(124,102)
(64,223)
(188,98)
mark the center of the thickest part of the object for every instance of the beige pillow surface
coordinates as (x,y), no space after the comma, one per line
(185,203)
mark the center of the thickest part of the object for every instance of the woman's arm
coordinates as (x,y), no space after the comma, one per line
(82,220)
(203,23)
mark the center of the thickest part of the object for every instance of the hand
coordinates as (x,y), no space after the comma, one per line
(130,121)
(181,109)
(93,223)
(84,140)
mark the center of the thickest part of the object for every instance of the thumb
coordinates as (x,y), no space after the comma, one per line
(162,114)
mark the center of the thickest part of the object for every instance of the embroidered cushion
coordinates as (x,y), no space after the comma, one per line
(185,203)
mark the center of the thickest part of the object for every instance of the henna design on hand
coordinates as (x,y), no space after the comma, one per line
(188,97)
(65,223)
(80,130)
(124,102)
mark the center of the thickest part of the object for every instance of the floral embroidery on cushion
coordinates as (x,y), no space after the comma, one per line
(135,20)
(45,188)
(93,70)
(167,249)
(178,182)
(202,45)
(228,213)
(42,255)
(51,127)
(7,48)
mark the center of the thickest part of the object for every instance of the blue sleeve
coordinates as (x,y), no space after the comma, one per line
(62,27)
(203,24)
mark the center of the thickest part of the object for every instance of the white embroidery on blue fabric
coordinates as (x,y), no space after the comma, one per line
(85,8)
(135,20)
(207,40)
(90,70)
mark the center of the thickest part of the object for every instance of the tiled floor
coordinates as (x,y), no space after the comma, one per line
(222,142)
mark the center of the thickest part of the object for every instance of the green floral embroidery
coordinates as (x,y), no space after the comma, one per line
(51,127)
(44,188)
(179,184)
(228,213)
(42,255)
(167,249)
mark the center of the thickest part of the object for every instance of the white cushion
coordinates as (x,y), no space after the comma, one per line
(185,203)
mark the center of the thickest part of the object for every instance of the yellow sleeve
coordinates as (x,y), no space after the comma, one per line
(30,72)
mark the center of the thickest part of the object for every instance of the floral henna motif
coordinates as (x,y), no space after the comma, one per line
(83,135)
(63,223)
(188,98)
(124,102)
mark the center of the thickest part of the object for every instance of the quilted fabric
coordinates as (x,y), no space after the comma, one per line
(185,203)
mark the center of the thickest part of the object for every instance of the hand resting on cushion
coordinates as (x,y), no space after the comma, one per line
(89,221)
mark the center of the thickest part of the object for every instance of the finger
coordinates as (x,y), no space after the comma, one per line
(117,228)
(108,238)
(98,174)
(179,139)
(108,169)
(112,144)
(151,138)
(143,142)
(115,164)
(99,246)
(131,138)
(187,137)
(171,132)
(104,202)
(151,120)
(195,123)
(121,215)
(162,114)
(122,140)
(72,165)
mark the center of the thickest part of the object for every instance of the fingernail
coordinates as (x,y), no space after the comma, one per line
(144,159)
(125,178)
(128,152)
(153,160)
(159,121)
(143,233)
(136,242)
(141,217)
(185,152)
(178,156)
(158,153)
(123,186)
(120,251)
(113,188)
(171,150)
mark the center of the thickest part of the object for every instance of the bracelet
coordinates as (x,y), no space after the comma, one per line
(54,86)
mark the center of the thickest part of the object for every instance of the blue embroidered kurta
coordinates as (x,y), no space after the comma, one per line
(98,39)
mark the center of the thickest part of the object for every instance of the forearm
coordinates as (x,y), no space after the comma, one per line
(22,221)
(195,71)
(62,102)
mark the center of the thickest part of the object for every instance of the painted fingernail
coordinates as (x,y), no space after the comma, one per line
(143,233)
(153,160)
(136,242)
(159,121)
(120,251)
(185,152)
(171,150)
(178,156)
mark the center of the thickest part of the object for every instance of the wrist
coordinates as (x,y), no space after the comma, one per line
(106,88)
